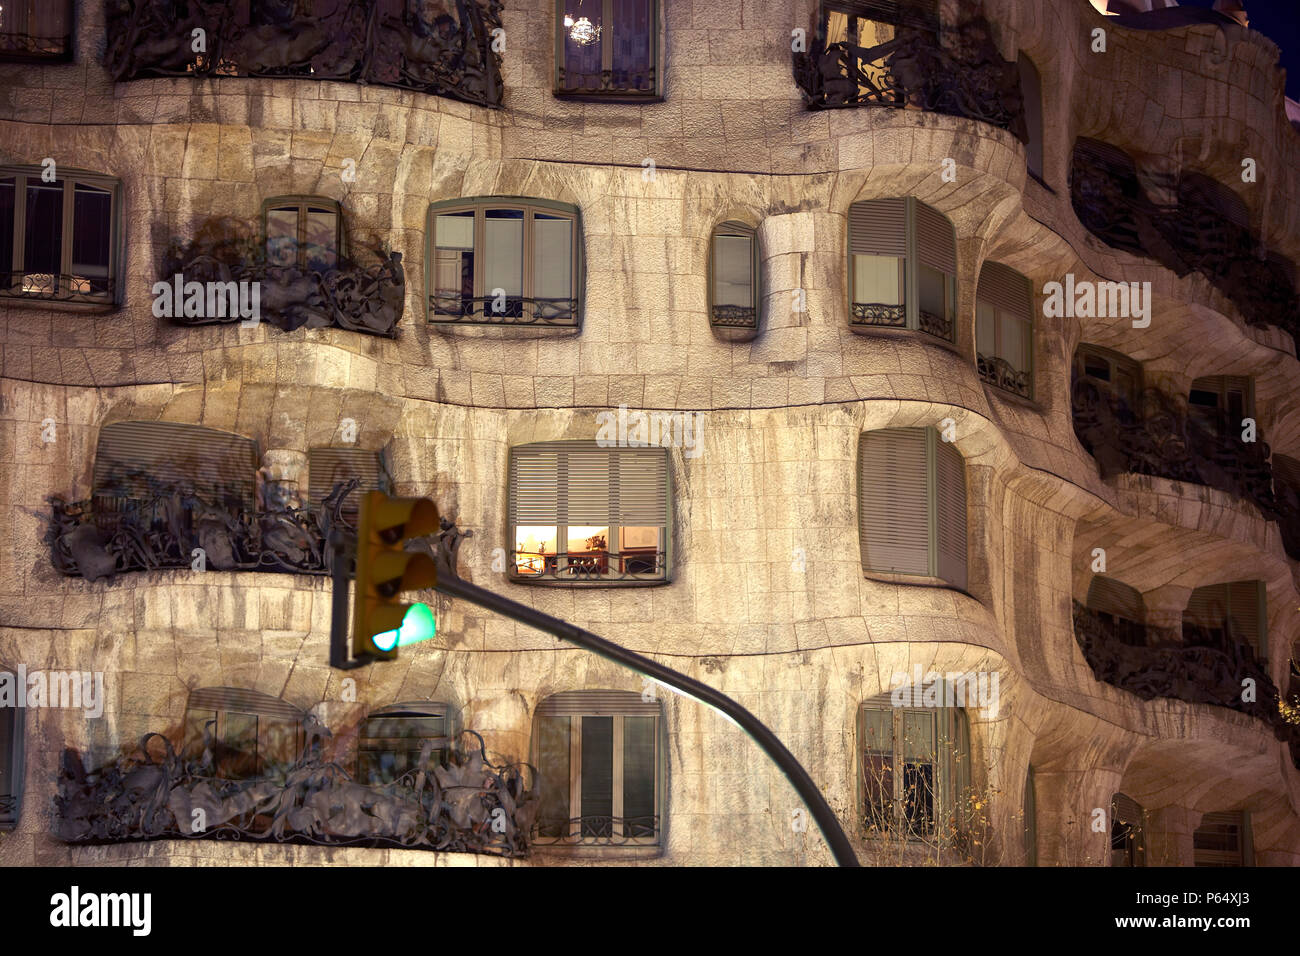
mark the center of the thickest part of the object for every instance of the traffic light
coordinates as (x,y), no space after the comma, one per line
(380,621)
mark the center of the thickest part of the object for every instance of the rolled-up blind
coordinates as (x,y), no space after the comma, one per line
(1238,604)
(598,703)
(893,500)
(242,701)
(1005,288)
(950,502)
(936,240)
(580,483)
(140,459)
(878,227)
(1115,597)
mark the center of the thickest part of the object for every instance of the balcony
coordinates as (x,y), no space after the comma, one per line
(454,309)
(107,535)
(1206,667)
(383,42)
(1160,438)
(468,805)
(909,63)
(1201,226)
(596,566)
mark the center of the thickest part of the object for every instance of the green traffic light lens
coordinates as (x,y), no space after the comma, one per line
(417,625)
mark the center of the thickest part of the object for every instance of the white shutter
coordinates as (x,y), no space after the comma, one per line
(327,467)
(585,484)
(1006,289)
(641,487)
(893,501)
(534,485)
(950,494)
(878,227)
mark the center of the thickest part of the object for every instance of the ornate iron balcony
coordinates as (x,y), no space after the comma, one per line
(881,314)
(596,831)
(940,326)
(468,806)
(964,75)
(108,536)
(591,567)
(60,288)
(348,40)
(1161,439)
(454,309)
(734,317)
(1002,374)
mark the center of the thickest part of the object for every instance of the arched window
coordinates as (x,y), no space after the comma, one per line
(903,267)
(392,739)
(912,504)
(599,759)
(1224,839)
(11,748)
(1127,832)
(1121,607)
(1031,91)
(1004,329)
(504,261)
(914,763)
(1236,612)
(733,277)
(303,231)
(241,734)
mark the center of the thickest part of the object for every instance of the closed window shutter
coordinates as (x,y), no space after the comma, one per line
(328,467)
(1240,602)
(580,483)
(878,227)
(1115,597)
(950,487)
(1005,288)
(893,501)
(598,703)
(642,487)
(1127,810)
(535,485)
(139,459)
(936,243)
(585,486)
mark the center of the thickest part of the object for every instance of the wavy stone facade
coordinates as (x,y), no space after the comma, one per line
(782,415)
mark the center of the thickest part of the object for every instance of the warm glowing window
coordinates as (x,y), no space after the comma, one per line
(607,48)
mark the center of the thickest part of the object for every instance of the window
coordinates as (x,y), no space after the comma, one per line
(1121,607)
(59,238)
(580,513)
(1119,373)
(392,740)
(11,749)
(607,49)
(598,756)
(34,30)
(1031,92)
(1223,839)
(504,261)
(303,232)
(1004,342)
(912,504)
(1030,813)
(1224,614)
(241,734)
(328,467)
(733,271)
(903,267)
(1220,402)
(1127,832)
(852,28)
(915,769)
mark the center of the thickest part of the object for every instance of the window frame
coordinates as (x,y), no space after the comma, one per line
(550,576)
(1116,361)
(1134,833)
(247,703)
(420,709)
(304,202)
(478,316)
(65,55)
(15,753)
(1245,854)
(653,95)
(733,228)
(998,345)
(910,266)
(71,177)
(576,712)
(1222,386)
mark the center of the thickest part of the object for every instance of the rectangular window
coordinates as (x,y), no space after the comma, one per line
(902,267)
(1236,612)
(390,745)
(607,48)
(35,30)
(1004,329)
(305,233)
(580,513)
(11,749)
(913,769)
(1223,839)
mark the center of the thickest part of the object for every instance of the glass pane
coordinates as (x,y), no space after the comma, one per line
(638,550)
(934,291)
(277,744)
(837,27)
(533,543)
(197,722)
(588,548)
(552,257)
(322,239)
(985,329)
(919,735)
(43,245)
(282,236)
(631,28)
(733,271)
(7,190)
(878,790)
(454,263)
(1015,341)
(876,279)
(504,261)
(237,756)
(597,776)
(92,238)
(638,776)
(918,797)
(582,30)
(553,776)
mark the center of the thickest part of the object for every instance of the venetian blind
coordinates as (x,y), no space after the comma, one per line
(893,500)
(140,459)
(580,483)
(936,241)
(1115,597)
(878,227)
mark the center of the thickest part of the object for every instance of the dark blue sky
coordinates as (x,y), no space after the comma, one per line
(1279,20)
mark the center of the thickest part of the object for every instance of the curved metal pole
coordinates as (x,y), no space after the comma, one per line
(456,587)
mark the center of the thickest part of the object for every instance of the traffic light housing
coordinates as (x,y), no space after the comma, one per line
(381,622)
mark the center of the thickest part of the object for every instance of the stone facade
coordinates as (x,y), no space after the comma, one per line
(800,648)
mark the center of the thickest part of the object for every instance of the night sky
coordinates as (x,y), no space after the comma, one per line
(1279,20)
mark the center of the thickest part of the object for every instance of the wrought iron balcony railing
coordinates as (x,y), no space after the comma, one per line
(61,288)
(735,316)
(456,309)
(879,314)
(1002,374)
(591,566)
(1192,234)
(1163,440)
(107,536)
(366,41)
(468,806)
(596,831)
(1204,669)
(8,805)
(962,75)
(352,296)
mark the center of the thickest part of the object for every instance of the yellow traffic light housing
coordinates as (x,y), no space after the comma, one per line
(380,621)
